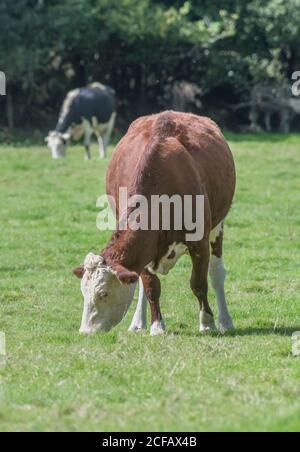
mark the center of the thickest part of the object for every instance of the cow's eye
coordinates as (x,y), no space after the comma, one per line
(172,255)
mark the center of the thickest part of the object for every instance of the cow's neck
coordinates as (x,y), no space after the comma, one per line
(132,249)
(64,123)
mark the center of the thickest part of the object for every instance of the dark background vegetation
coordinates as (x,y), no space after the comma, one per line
(141,47)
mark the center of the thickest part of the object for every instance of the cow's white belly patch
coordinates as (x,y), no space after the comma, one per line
(78,131)
(169,260)
(98,127)
(214,234)
(86,126)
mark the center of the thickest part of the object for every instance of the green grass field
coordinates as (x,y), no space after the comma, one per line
(55,379)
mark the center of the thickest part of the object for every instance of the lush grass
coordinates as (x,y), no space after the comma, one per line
(57,380)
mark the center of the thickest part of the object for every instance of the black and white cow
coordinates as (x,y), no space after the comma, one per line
(85,111)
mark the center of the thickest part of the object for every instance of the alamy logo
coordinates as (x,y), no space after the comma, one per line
(2,84)
(296,344)
(2,348)
(154,213)
(296,85)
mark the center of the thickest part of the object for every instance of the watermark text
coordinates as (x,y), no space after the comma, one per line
(296,344)
(153,213)
(2,84)
(296,84)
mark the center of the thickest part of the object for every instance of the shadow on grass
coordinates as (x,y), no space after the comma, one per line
(255,331)
(266,331)
(261,137)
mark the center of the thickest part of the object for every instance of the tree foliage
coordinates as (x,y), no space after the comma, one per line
(140,47)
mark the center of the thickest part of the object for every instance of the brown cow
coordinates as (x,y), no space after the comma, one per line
(165,154)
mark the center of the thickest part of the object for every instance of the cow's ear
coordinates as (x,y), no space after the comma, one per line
(79,272)
(126,276)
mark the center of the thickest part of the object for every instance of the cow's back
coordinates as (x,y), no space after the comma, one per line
(94,102)
(175,153)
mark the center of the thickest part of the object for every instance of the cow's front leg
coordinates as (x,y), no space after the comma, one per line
(199,284)
(139,320)
(87,143)
(152,289)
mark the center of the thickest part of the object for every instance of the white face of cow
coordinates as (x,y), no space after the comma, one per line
(57,142)
(107,294)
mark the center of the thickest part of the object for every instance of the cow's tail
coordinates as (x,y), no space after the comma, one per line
(165,126)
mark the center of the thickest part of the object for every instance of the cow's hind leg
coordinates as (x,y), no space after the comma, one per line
(139,320)
(152,290)
(102,150)
(199,284)
(109,130)
(217,276)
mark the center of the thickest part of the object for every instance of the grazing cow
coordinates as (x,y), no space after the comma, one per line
(85,111)
(174,154)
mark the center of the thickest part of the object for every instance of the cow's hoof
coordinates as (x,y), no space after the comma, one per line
(207,322)
(226,325)
(157,328)
(207,329)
